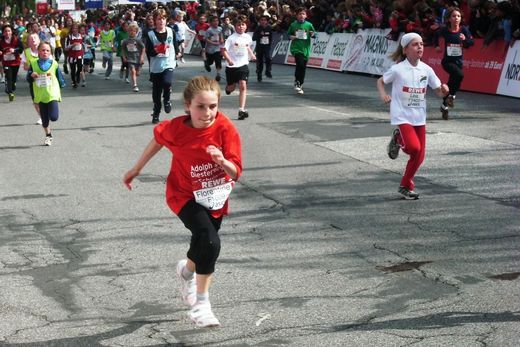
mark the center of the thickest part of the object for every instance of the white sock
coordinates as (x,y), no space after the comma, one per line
(203,297)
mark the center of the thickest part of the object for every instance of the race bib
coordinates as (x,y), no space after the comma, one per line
(301,34)
(109,44)
(202,33)
(77,47)
(215,38)
(264,40)
(414,97)
(454,50)
(131,47)
(43,81)
(240,50)
(163,50)
(9,57)
(213,198)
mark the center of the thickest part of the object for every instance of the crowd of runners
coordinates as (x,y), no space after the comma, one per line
(205,144)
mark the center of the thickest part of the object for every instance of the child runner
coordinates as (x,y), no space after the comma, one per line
(64,33)
(10,50)
(89,45)
(455,39)
(162,48)
(132,52)
(263,36)
(409,77)
(106,42)
(200,29)
(75,51)
(30,54)
(214,40)
(236,51)
(300,32)
(58,50)
(180,27)
(121,35)
(47,80)
(227,28)
(207,160)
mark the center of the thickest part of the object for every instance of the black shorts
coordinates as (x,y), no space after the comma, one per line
(214,58)
(236,74)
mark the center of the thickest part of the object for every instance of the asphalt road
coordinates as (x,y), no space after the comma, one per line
(319,249)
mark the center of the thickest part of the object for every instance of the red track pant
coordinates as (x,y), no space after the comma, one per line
(413,143)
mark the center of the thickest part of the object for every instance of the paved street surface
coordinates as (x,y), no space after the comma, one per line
(319,249)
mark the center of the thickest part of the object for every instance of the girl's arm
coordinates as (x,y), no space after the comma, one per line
(151,149)
(442,91)
(226,165)
(382,92)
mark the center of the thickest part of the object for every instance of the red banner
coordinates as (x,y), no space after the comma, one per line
(482,65)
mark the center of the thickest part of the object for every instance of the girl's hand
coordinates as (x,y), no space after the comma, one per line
(462,37)
(386,98)
(216,154)
(129,176)
(445,89)
(34,75)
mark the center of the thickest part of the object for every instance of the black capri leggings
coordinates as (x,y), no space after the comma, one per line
(49,111)
(205,241)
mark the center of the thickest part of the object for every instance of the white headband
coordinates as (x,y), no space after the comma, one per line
(407,38)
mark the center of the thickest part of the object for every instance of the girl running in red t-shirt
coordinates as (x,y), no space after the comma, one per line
(207,160)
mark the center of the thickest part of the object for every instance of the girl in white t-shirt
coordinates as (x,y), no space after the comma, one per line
(410,78)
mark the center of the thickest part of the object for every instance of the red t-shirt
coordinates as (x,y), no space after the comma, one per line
(200,29)
(193,175)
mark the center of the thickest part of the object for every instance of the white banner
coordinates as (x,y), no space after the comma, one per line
(509,83)
(370,52)
(318,48)
(66,4)
(337,51)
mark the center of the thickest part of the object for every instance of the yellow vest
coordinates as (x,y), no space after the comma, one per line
(46,86)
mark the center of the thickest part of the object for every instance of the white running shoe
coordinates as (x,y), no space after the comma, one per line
(188,287)
(83,84)
(39,121)
(136,89)
(48,141)
(202,315)
(127,80)
(107,77)
(2,80)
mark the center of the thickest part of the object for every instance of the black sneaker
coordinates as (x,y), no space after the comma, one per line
(268,75)
(259,78)
(207,67)
(217,78)
(155,118)
(444,112)
(242,115)
(393,146)
(408,194)
(450,100)
(228,91)
(167,106)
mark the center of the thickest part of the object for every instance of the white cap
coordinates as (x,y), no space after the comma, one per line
(407,38)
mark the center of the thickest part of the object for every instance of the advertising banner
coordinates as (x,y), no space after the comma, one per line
(509,83)
(337,51)
(318,48)
(370,52)
(482,65)
(93,4)
(41,7)
(280,48)
(66,5)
